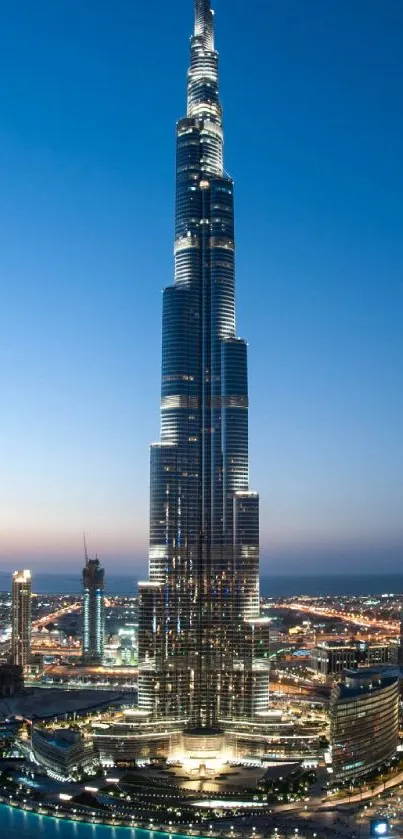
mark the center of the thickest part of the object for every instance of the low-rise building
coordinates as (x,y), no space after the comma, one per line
(61,751)
(331,659)
(381,653)
(364,721)
(132,736)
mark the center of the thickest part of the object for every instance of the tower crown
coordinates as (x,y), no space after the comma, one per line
(204,27)
(202,91)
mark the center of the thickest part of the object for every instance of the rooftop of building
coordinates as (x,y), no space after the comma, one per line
(353,645)
(366,680)
(22,576)
(62,738)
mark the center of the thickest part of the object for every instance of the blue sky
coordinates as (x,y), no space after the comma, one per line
(312,100)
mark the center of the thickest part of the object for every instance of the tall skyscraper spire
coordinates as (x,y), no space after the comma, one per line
(202,645)
(202,89)
(204,23)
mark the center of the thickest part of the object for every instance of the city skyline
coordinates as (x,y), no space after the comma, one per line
(318,178)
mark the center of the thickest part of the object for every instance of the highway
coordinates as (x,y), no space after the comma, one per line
(390,627)
(53,617)
(44,649)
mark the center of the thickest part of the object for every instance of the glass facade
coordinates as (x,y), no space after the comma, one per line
(197,643)
(364,715)
(21,617)
(93,612)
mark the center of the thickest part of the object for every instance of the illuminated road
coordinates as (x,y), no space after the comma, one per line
(54,616)
(43,649)
(366,794)
(390,627)
(298,690)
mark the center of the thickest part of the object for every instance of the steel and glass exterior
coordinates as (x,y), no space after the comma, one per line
(364,718)
(93,612)
(201,642)
(21,617)
(62,751)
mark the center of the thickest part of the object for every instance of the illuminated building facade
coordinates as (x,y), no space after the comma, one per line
(400,653)
(93,612)
(332,659)
(62,751)
(21,618)
(203,648)
(364,721)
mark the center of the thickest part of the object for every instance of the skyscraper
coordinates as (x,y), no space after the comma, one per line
(400,652)
(21,617)
(202,645)
(93,626)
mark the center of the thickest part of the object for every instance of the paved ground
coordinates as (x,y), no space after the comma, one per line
(228,778)
(38,702)
(368,794)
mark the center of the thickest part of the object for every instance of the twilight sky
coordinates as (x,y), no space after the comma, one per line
(89,95)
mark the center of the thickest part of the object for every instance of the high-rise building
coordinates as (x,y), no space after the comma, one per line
(202,645)
(21,617)
(400,653)
(93,620)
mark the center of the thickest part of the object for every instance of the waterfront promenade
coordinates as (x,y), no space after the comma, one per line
(16,823)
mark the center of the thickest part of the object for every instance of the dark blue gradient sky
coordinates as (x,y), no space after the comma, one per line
(312,95)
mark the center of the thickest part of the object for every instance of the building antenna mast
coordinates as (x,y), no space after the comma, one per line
(85,550)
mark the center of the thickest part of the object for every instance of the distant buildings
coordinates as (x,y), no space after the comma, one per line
(127,650)
(93,675)
(93,619)
(364,722)
(329,659)
(21,618)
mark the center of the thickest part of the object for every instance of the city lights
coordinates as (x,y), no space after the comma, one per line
(193,703)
